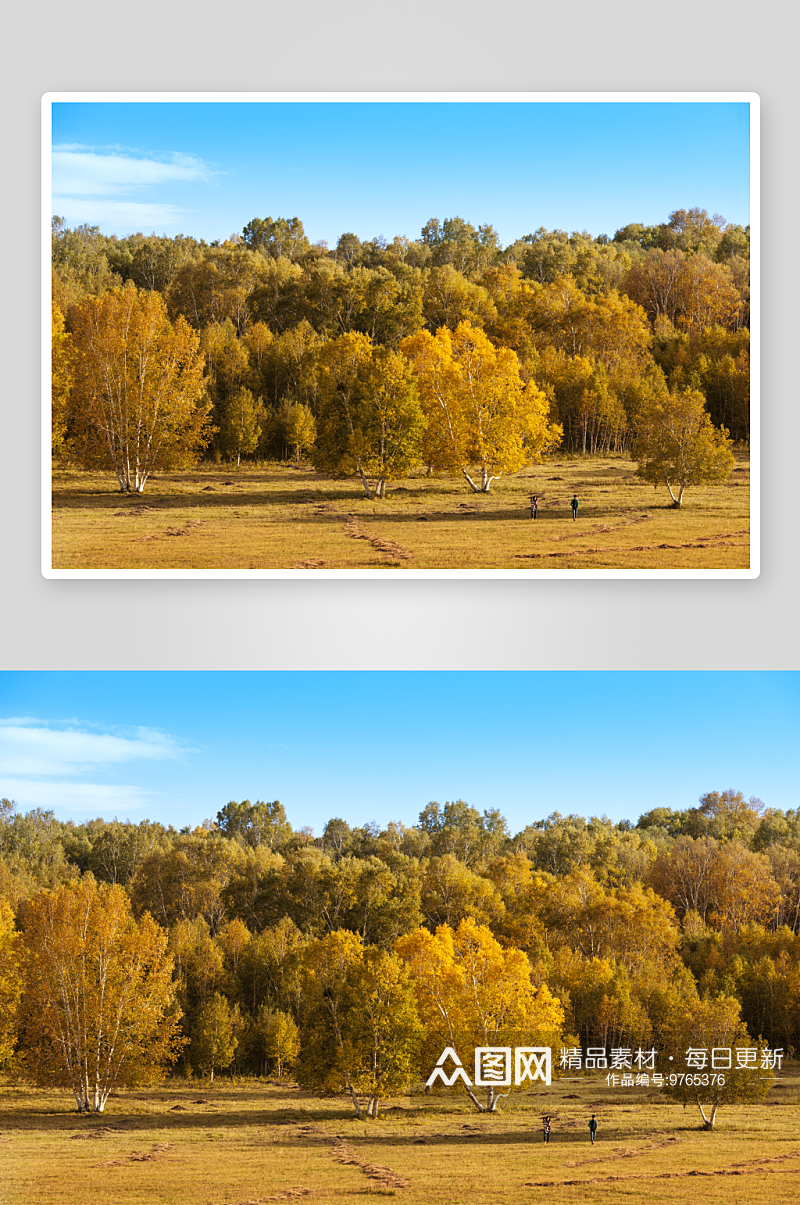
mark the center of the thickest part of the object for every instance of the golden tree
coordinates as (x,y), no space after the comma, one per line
(478,410)
(471,992)
(97,993)
(61,380)
(138,399)
(9,982)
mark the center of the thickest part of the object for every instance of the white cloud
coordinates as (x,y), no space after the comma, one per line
(121,215)
(85,173)
(79,798)
(39,749)
(119,187)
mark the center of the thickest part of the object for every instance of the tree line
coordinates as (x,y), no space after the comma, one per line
(354,958)
(375,358)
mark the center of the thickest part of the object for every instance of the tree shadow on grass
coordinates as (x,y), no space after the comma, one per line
(130,504)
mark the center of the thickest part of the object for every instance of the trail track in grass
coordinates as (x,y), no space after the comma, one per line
(259,1141)
(278,516)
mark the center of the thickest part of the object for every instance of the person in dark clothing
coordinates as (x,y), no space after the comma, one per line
(546,1129)
(574,507)
(534,505)
(593,1128)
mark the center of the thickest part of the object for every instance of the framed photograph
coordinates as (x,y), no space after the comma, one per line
(447,335)
(399,956)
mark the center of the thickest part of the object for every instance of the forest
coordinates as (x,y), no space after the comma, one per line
(374,358)
(351,959)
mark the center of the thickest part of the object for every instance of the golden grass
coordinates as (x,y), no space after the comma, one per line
(255,1142)
(288,517)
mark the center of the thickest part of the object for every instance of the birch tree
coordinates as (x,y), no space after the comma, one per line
(61,381)
(138,400)
(370,420)
(214,1040)
(706,1025)
(471,992)
(359,1031)
(97,993)
(479,411)
(678,446)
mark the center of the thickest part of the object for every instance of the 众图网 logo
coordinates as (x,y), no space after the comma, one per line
(493,1067)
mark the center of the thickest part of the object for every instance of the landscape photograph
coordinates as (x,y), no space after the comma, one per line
(545,948)
(299,335)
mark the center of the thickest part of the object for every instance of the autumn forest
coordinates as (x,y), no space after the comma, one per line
(351,959)
(375,358)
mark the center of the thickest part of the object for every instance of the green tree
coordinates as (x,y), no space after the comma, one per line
(213,1041)
(301,429)
(707,1024)
(391,422)
(726,816)
(240,425)
(256,823)
(187,879)
(340,375)
(281,238)
(450,892)
(369,420)
(277,1037)
(359,1025)
(676,445)
(118,849)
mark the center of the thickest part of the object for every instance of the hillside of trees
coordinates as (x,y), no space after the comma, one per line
(376,357)
(606,933)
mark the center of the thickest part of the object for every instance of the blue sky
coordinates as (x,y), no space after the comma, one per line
(206,169)
(177,746)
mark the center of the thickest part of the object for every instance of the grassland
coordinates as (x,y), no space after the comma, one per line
(280,516)
(260,1141)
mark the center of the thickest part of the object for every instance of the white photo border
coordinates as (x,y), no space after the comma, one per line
(750,98)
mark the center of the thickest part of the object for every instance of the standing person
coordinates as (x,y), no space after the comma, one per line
(574,507)
(534,505)
(546,1129)
(593,1128)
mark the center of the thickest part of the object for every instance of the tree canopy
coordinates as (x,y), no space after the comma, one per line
(377,356)
(363,953)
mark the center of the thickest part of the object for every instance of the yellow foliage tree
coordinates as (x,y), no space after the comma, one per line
(471,992)
(742,888)
(9,982)
(451,891)
(138,395)
(478,409)
(60,382)
(98,991)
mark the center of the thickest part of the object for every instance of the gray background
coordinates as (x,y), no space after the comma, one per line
(397,46)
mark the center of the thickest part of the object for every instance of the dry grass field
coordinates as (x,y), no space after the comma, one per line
(260,1141)
(279,516)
